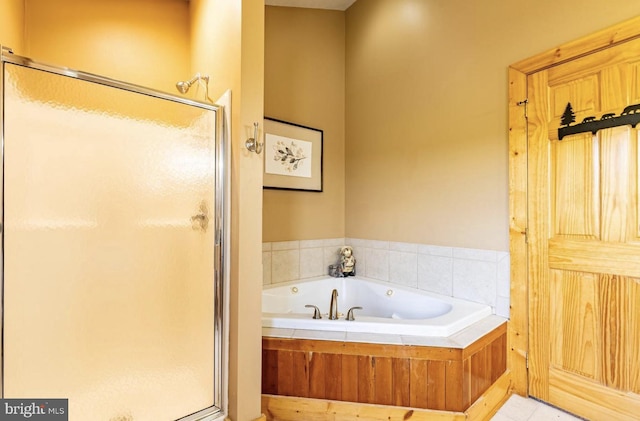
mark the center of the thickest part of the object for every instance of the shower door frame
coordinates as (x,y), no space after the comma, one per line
(221,223)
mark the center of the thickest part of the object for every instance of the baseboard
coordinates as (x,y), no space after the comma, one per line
(488,404)
(261,418)
(286,408)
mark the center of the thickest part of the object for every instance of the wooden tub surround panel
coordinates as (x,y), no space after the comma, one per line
(449,379)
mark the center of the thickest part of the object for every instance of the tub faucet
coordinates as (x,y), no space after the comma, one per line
(333,307)
(350,313)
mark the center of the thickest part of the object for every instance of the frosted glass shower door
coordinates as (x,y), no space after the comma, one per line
(108,248)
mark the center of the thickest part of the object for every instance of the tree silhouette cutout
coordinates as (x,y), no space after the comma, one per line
(568,116)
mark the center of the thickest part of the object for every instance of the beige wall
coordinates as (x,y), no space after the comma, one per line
(305,84)
(228,43)
(12,24)
(145,42)
(426,137)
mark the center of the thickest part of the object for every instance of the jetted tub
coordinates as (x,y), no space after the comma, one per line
(387,308)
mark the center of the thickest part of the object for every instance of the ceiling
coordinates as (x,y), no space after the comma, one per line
(313,4)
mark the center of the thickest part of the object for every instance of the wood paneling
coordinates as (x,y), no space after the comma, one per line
(384,379)
(396,375)
(575,307)
(575,204)
(436,378)
(456,387)
(617,165)
(584,253)
(585,90)
(279,408)
(376,350)
(633,342)
(614,317)
(269,371)
(566,256)
(350,378)
(594,257)
(366,379)
(332,386)
(576,392)
(401,382)
(301,373)
(317,375)
(422,385)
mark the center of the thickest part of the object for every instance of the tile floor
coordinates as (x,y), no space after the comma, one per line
(518,408)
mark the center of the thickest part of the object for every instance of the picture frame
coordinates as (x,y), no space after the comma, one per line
(293,156)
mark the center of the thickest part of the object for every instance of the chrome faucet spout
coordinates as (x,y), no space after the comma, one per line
(333,307)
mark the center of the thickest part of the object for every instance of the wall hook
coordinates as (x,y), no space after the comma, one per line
(252,144)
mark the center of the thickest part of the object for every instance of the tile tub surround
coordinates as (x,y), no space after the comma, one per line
(470,274)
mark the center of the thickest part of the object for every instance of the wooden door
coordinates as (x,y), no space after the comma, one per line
(583,234)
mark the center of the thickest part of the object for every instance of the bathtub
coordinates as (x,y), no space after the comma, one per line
(387,308)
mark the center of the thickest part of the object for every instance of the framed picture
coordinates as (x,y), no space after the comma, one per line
(292,156)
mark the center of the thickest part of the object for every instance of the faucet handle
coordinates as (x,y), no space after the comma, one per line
(316,311)
(350,313)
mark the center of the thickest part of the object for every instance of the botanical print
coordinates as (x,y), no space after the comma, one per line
(288,156)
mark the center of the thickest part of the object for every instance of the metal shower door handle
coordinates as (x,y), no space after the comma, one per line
(201,220)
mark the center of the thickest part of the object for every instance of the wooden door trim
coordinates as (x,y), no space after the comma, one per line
(606,38)
(517,334)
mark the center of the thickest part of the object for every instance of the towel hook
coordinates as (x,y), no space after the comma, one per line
(252,143)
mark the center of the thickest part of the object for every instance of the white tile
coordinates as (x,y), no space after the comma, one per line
(406,247)
(436,341)
(548,413)
(360,254)
(266,267)
(285,266)
(475,280)
(500,417)
(323,335)
(377,264)
(376,244)
(327,242)
(356,242)
(518,408)
(374,338)
(277,332)
(307,244)
(435,250)
(285,245)
(502,306)
(331,257)
(475,254)
(266,246)
(435,274)
(504,276)
(403,268)
(471,334)
(311,262)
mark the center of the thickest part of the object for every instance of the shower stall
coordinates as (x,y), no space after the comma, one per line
(114,239)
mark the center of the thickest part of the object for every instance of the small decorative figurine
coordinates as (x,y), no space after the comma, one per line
(347,261)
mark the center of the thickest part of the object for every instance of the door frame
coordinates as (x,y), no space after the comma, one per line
(518,326)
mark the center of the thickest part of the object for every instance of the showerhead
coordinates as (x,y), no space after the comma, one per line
(184,85)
